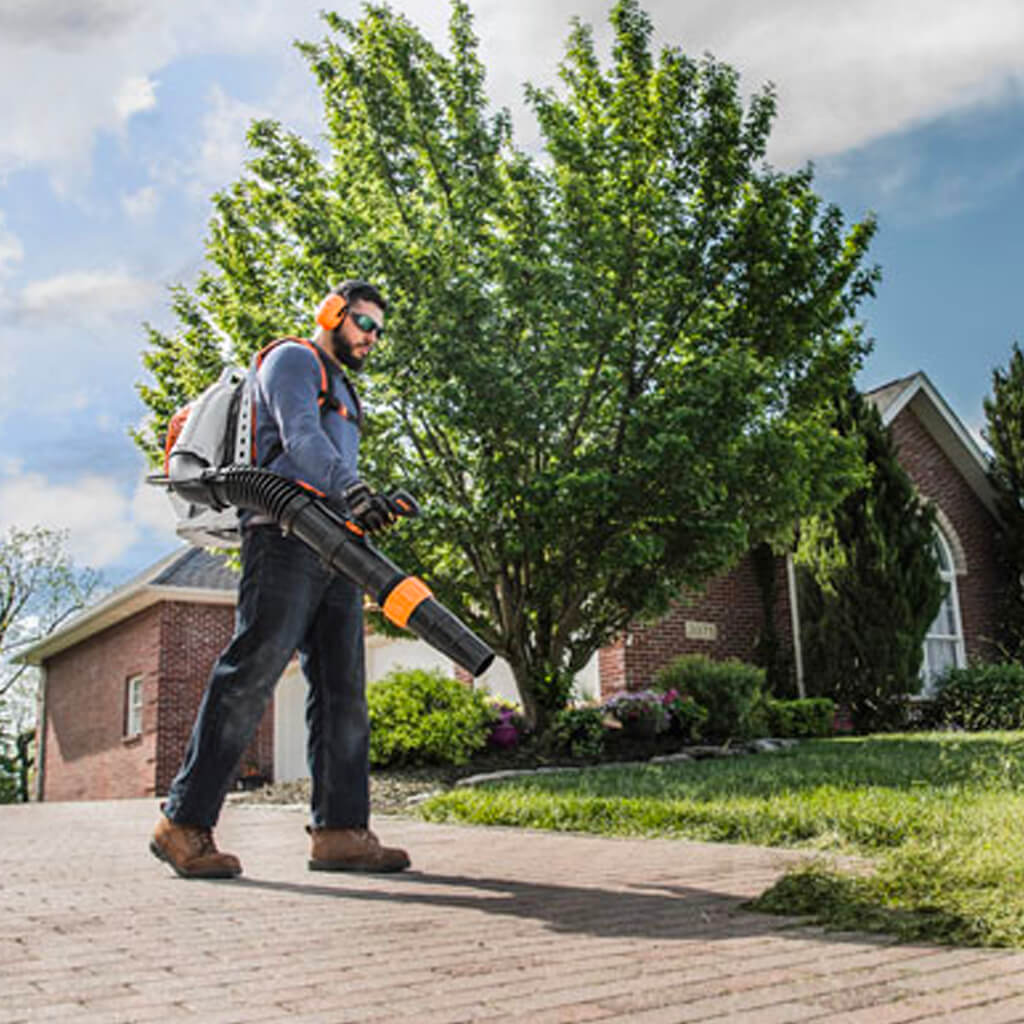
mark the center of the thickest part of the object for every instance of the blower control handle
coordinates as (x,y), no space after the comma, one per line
(404,504)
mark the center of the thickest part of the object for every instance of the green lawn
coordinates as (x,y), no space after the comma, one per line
(940,818)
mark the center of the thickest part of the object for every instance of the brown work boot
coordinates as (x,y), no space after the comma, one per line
(352,849)
(191,851)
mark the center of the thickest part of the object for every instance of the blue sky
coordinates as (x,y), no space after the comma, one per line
(120,118)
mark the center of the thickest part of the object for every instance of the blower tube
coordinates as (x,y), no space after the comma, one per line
(404,599)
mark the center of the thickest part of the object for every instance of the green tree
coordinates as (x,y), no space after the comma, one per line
(39,588)
(1004,433)
(610,369)
(869,584)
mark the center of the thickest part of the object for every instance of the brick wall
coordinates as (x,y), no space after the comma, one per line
(938,479)
(172,645)
(87,756)
(193,637)
(730,605)
(611,667)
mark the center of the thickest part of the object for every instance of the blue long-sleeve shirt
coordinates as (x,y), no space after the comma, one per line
(314,445)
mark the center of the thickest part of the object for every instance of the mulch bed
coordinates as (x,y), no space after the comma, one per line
(397,790)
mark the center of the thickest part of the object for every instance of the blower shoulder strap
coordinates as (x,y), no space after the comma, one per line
(325,399)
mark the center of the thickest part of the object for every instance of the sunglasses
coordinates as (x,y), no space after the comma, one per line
(368,324)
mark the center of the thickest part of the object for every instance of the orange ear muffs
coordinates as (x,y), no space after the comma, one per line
(331,312)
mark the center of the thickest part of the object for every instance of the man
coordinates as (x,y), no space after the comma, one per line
(307,417)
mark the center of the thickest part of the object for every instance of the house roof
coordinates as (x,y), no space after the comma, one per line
(918,394)
(188,574)
(196,568)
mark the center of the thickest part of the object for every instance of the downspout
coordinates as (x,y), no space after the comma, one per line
(41,733)
(794,615)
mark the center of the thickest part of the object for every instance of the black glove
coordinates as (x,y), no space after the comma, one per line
(370,511)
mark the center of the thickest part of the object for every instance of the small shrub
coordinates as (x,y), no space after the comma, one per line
(425,717)
(985,695)
(8,779)
(578,732)
(686,717)
(728,690)
(16,763)
(800,719)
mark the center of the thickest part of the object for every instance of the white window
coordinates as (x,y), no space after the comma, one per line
(133,707)
(944,643)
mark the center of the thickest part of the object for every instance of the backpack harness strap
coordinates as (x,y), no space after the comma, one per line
(325,399)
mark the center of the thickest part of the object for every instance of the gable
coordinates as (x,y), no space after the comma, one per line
(916,395)
(938,477)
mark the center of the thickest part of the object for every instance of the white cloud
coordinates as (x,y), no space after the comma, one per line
(151,508)
(136,94)
(64,75)
(76,401)
(222,151)
(11,250)
(102,522)
(92,510)
(11,254)
(82,67)
(846,73)
(141,203)
(850,73)
(65,25)
(87,292)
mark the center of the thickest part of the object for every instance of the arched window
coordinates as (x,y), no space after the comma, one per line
(944,644)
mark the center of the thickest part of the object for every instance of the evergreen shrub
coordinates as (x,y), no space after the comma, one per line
(728,690)
(425,717)
(811,718)
(985,695)
(868,583)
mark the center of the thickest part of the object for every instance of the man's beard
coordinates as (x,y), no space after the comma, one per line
(343,352)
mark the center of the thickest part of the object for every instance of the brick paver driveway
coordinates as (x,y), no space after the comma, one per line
(495,925)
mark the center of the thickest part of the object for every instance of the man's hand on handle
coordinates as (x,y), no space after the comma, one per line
(372,511)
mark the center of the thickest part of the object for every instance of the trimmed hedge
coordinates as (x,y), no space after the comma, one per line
(425,717)
(811,718)
(986,695)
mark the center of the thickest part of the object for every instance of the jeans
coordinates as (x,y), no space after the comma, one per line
(288,600)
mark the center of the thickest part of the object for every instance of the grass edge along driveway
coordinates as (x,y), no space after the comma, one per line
(939,817)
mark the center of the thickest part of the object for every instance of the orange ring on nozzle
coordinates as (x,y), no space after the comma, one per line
(404,599)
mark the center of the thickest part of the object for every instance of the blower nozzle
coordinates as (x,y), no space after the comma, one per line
(405,600)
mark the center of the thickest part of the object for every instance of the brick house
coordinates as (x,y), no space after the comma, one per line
(122,681)
(948,469)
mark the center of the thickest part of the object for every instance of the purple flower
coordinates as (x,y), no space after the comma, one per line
(637,705)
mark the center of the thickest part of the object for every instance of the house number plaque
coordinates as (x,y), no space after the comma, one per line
(701,630)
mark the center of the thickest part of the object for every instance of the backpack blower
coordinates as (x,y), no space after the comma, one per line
(405,600)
